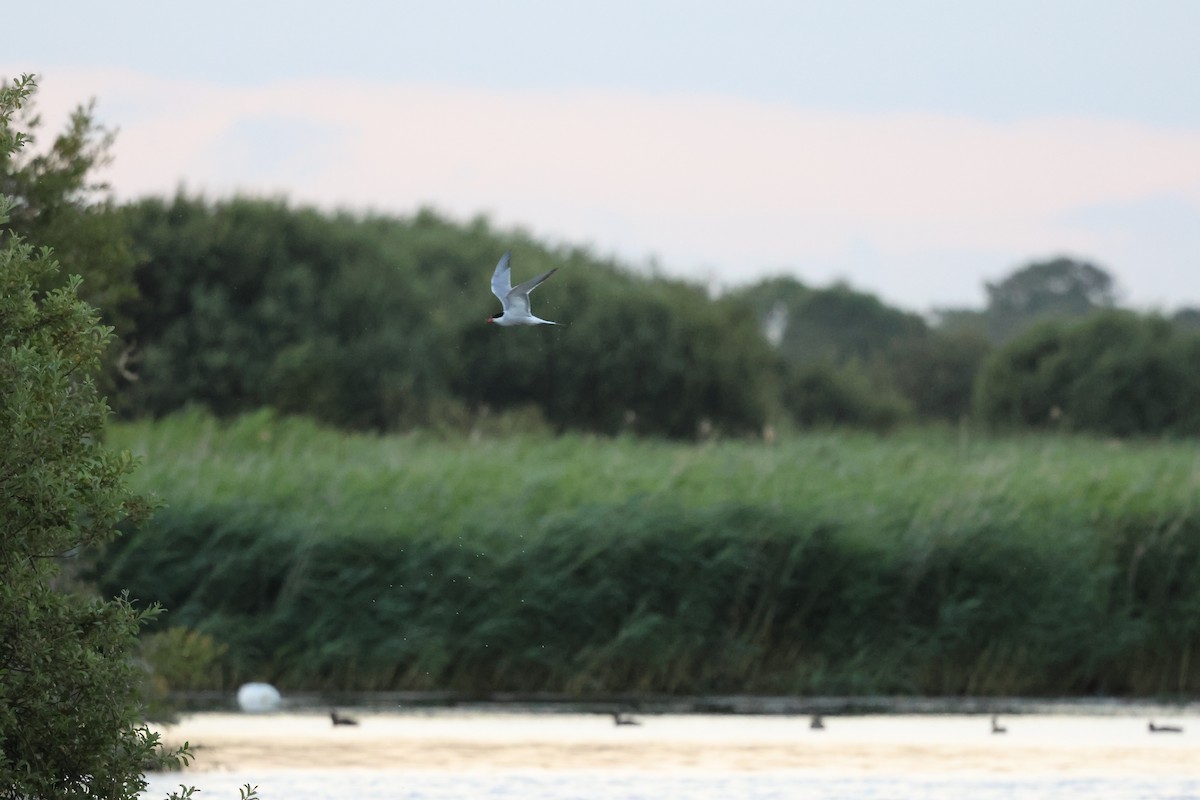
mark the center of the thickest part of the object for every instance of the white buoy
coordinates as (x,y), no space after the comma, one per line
(258,697)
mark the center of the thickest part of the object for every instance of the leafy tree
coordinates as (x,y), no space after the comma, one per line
(59,203)
(835,325)
(69,717)
(936,373)
(842,324)
(1061,287)
(1188,318)
(822,395)
(644,355)
(1115,373)
(966,321)
(775,302)
(378,323)
(250,303)
(835,345)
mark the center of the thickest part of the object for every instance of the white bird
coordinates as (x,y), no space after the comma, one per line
(515,299)
(258,697)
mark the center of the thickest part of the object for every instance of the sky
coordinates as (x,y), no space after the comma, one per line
(915,149)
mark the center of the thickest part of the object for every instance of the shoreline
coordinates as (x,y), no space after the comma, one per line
(783,705)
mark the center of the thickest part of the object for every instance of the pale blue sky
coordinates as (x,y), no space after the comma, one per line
(914,148)
(1133,59)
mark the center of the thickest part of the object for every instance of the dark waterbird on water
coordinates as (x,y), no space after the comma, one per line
(338,719)
(818,723)
(996,726)
(1164,728)
(620,718)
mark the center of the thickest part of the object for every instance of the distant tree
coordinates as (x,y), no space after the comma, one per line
(379,323)
(637,354)
(833,325)
(1062,287)
(833,346)
(69,714)
(1114,372)
(824,395)
(774,302)
(961,321)
(1187,318)
(844,324)
(936,373)
(250,303)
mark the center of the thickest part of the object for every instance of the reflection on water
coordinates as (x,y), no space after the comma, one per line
(585,785)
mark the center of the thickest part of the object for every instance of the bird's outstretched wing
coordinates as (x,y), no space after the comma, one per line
(501,285)
(518,296)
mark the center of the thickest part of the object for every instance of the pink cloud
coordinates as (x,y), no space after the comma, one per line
(709,182)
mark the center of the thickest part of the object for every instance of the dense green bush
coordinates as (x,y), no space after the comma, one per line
(835,324)
(848,359)
(936,372)
(821,395)
(1115,372)
(251,303)
(653,357)
(374,323)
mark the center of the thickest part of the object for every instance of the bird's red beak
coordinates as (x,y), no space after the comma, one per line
(490,319)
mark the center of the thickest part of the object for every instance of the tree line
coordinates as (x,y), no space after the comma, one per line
(373,322)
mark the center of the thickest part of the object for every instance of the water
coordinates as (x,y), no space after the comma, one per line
(423,754)
(550,785)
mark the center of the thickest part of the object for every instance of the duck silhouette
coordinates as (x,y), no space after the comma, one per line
(996,726)
(620,718)
(338,719)
(1164,728)
(818,723)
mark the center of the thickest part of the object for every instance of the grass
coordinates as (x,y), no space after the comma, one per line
(930,561)
(337,482)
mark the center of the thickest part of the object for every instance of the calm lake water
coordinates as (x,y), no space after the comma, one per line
(1106,754)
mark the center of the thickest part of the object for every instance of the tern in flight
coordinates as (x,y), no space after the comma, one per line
(515,299)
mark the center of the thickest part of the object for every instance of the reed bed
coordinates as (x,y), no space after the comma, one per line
(930,561)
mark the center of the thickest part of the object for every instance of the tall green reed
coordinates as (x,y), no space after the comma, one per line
(832,563)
